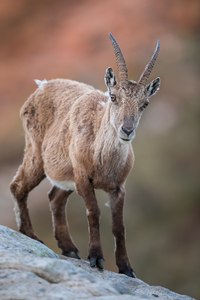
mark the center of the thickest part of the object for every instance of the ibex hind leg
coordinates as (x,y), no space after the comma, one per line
(28,176)
(58,199)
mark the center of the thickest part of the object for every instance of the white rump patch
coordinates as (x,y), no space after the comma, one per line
(40,83)
(67,185)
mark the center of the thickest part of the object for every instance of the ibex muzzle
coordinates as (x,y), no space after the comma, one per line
(127,129)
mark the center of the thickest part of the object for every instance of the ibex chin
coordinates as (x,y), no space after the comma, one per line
(80,139)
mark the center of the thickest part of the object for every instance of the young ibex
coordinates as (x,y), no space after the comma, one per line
(80,139)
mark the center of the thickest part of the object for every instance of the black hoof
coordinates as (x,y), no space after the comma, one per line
(34,237)
(40,241)
(71,254)
(128,272)
(96,262)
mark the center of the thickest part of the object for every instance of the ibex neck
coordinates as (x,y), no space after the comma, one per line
(108,147)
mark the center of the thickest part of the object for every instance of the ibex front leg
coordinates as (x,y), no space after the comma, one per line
(86,191)
(117,203)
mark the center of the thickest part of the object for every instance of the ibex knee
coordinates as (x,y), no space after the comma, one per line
(16,189)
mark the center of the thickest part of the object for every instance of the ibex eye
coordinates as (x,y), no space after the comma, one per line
(113,97)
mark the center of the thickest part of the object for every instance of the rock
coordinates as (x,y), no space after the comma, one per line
(30,270)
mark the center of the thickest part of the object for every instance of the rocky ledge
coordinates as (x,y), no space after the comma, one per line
(30,270)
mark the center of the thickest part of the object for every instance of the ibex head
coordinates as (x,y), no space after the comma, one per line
(129,98)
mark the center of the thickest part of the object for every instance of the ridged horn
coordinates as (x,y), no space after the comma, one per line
(121,64)
(149,67)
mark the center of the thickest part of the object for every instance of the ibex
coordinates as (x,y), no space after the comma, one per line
(80,139)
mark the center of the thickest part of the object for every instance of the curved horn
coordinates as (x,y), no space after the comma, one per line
(121,64)
(147,71)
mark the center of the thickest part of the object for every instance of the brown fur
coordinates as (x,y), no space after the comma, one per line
(75,133)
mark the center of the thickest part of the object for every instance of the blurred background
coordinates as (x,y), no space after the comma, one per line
(69,39)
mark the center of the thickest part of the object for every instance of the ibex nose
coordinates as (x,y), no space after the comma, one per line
(128,130)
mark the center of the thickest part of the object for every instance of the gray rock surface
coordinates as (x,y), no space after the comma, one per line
(30,270)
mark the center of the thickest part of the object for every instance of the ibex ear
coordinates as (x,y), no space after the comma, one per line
(109,78)
(153,87)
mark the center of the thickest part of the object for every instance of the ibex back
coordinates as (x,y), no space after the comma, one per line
(80,139)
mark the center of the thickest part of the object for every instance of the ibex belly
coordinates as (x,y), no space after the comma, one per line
(67,185)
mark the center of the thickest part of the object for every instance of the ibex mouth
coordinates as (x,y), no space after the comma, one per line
(127,138)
